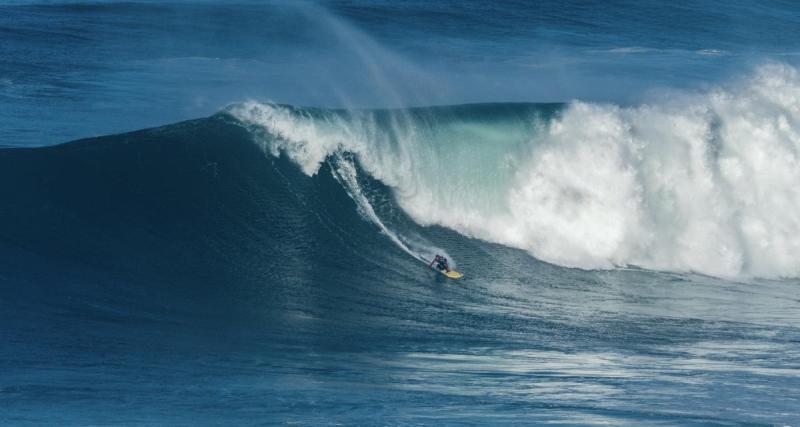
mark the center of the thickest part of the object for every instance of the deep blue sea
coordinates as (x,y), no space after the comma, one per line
(221,213)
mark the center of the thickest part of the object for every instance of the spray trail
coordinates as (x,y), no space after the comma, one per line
(346,173)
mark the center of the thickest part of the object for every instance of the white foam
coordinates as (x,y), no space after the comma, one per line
(707,183)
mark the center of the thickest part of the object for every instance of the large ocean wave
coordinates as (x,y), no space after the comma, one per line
(185,258)
(703,182)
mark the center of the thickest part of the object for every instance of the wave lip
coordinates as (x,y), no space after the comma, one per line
(704,183)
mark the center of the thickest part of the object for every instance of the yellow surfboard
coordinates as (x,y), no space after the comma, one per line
(449,274)
(453,274)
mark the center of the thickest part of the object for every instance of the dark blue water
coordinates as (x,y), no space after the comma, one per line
(75,69)
(629,258)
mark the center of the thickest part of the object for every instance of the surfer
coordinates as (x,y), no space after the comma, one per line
(441,263)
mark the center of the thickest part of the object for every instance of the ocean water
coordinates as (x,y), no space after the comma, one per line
(239,230)
(75,69)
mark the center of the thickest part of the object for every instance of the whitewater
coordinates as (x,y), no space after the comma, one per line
(695,182)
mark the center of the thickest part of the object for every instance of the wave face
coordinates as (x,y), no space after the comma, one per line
(703,182)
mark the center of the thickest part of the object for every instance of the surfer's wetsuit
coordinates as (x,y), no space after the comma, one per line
(441,263)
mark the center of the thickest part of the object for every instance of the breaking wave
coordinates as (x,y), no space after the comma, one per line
(694,182)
